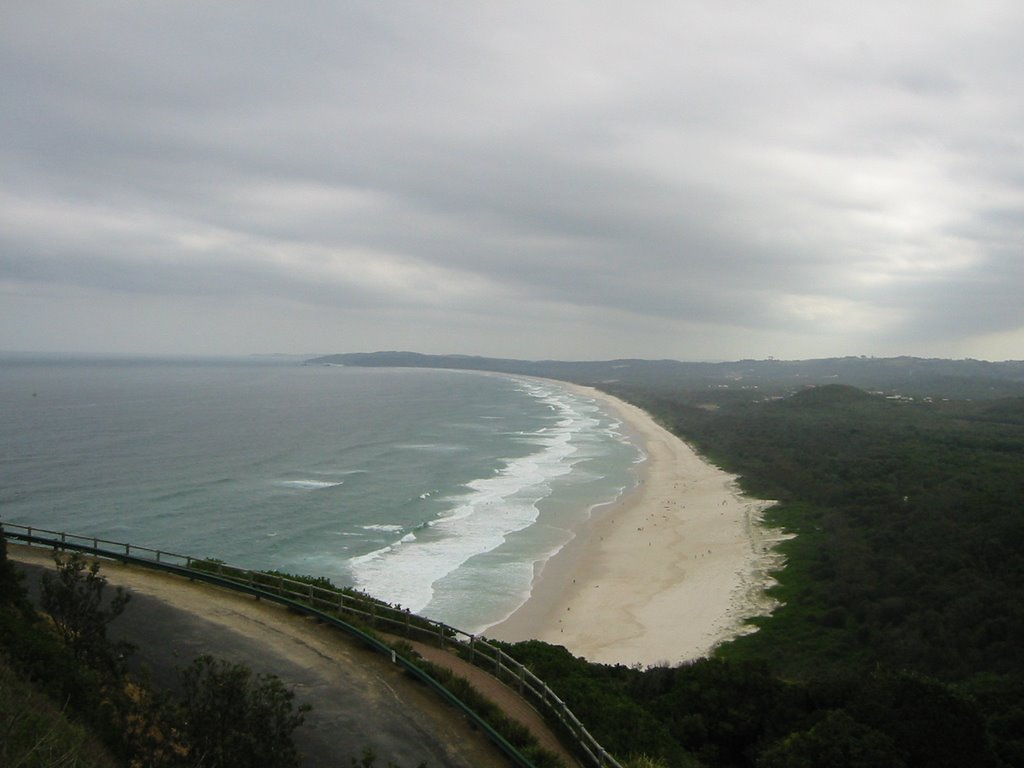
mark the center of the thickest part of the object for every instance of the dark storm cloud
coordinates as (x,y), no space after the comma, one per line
(658,180)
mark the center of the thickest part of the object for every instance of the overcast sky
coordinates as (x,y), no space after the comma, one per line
(571,180)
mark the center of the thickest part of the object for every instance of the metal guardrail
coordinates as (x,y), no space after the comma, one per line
(315,599)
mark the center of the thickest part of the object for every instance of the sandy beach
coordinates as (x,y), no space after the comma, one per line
(669,571)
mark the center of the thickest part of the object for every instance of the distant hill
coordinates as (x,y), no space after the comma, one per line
(912,376)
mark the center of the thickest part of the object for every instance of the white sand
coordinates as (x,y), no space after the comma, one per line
(663,575)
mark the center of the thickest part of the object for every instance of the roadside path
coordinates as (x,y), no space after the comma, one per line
(359,698)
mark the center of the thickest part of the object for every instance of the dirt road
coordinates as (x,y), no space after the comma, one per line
(360,700)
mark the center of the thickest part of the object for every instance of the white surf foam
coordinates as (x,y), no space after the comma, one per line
(309,485)
(479,521)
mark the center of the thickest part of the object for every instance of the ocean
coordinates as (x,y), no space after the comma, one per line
(435,490)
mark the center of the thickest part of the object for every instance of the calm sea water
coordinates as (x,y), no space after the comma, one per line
(436,490)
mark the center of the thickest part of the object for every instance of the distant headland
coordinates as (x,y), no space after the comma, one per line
(890,375)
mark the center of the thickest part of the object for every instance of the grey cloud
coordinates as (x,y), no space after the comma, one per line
(745,170)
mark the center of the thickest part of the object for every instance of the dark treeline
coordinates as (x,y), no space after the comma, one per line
(900,638)
(719,712)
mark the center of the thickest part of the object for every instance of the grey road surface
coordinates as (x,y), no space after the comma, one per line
(359,699)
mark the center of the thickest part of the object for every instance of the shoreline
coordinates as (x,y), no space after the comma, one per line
(662,575)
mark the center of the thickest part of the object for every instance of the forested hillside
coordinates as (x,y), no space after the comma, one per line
(909,517)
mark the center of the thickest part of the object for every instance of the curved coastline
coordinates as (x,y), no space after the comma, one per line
(674,567)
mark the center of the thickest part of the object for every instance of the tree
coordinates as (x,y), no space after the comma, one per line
(932,723)
(74,600)
(231,718)
(837,741)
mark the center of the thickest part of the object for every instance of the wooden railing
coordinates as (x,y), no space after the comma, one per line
(331,601)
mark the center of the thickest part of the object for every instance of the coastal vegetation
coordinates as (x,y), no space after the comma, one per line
(898,639)
(909,524)
(74,600)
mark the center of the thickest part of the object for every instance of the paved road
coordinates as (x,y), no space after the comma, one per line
(359,698)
